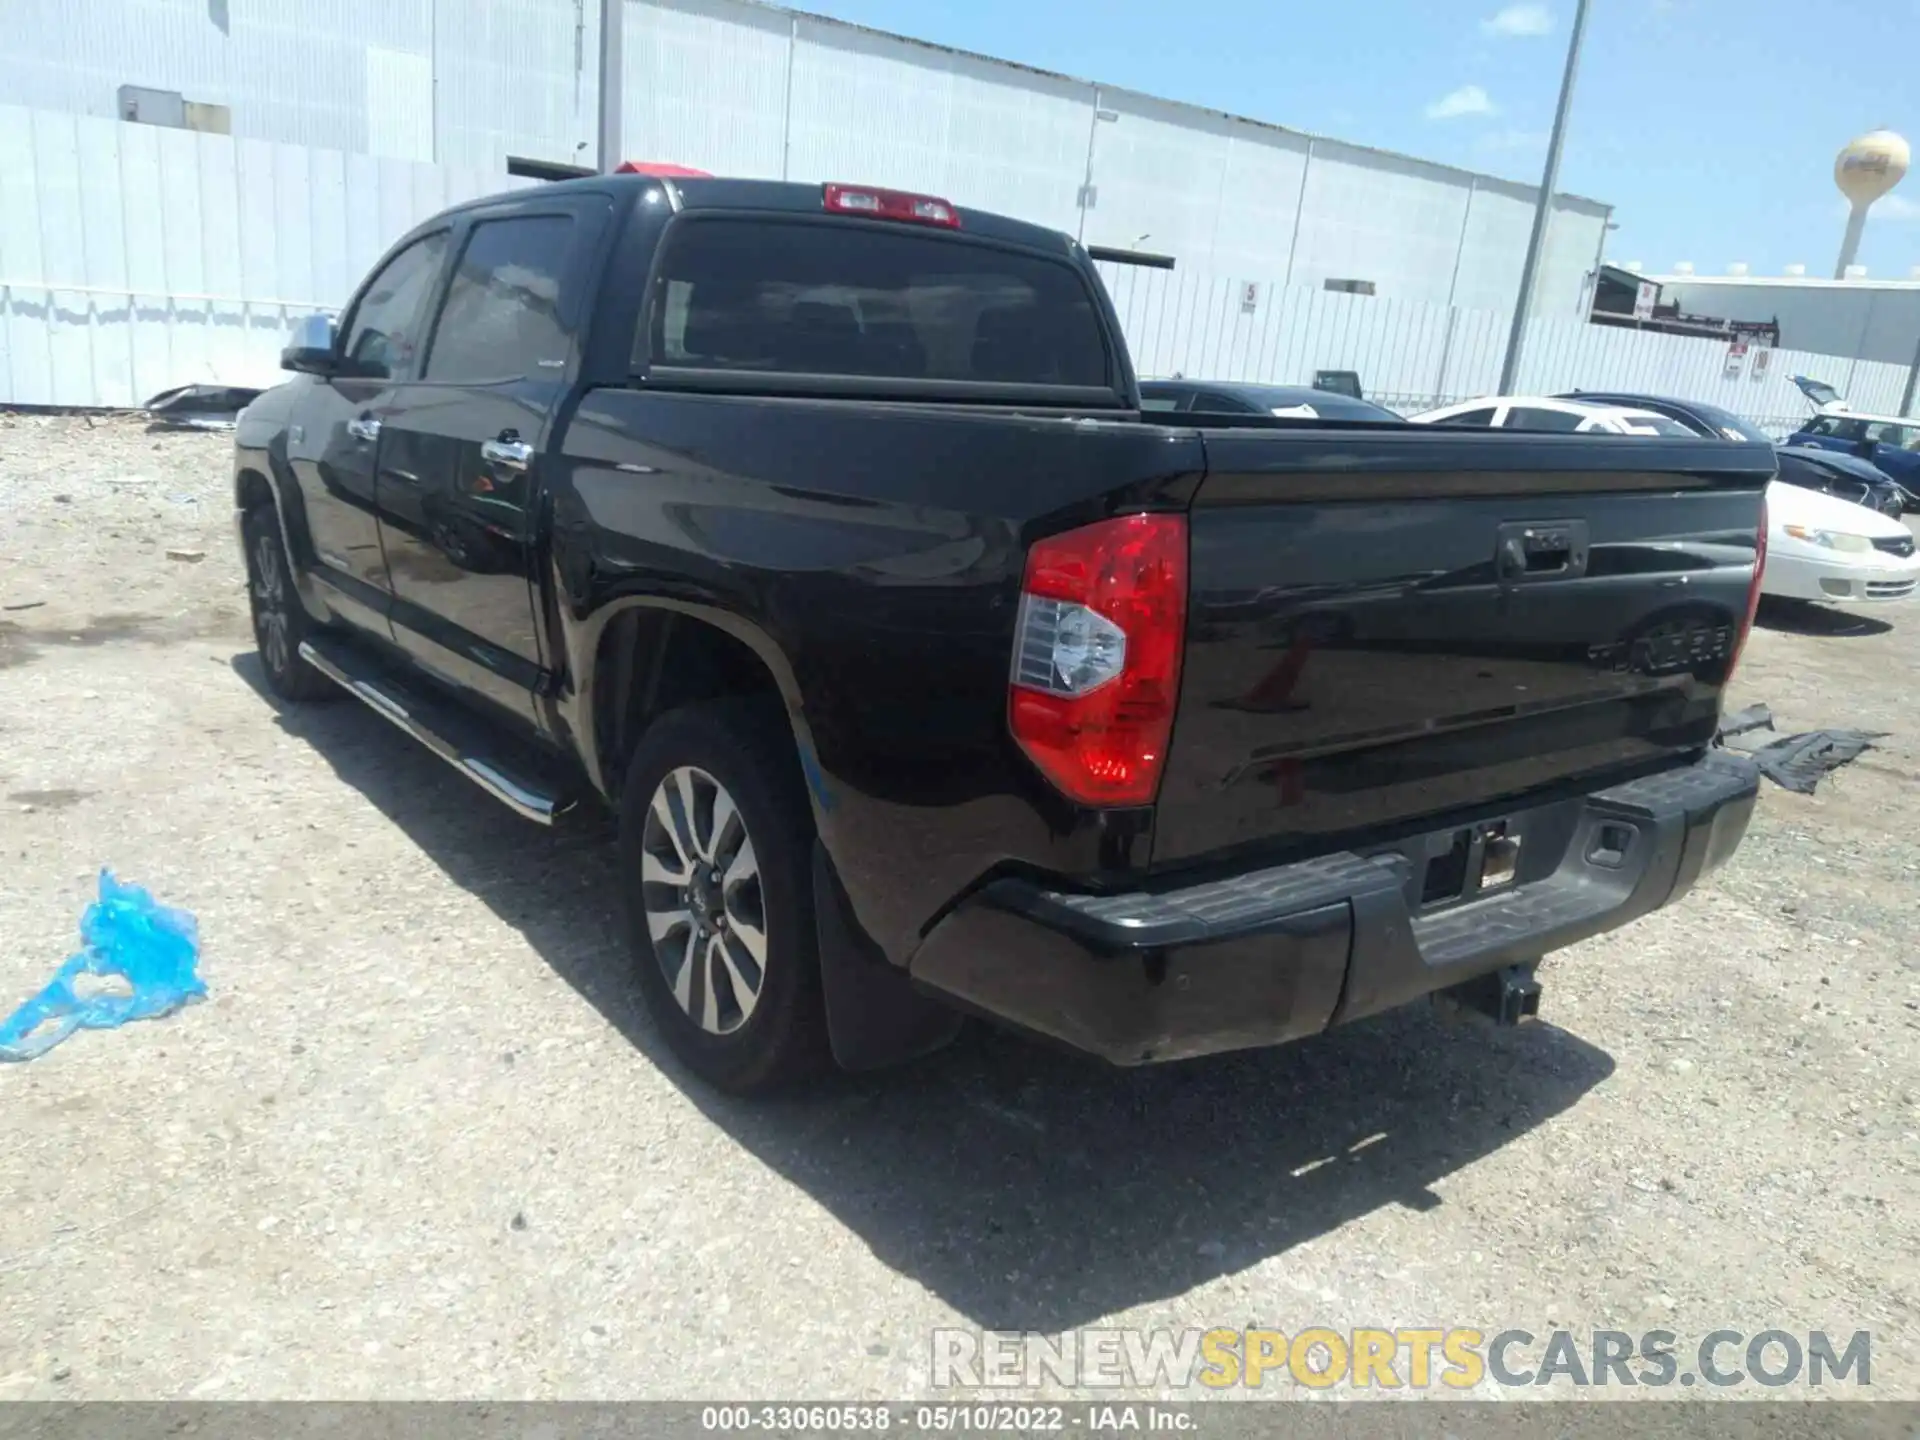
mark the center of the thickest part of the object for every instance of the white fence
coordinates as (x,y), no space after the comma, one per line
(1414,356)
(135,258)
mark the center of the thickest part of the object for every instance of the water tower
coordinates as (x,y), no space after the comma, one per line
(1865,170)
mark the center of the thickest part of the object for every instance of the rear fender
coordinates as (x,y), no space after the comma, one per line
(582,646)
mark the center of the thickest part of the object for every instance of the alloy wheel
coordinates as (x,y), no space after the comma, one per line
(700,889)
(271,624)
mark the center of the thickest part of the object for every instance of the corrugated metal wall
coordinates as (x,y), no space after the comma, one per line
(742,88)
(749,89)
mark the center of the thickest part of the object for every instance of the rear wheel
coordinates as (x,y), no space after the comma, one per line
(279,621)
(716,849)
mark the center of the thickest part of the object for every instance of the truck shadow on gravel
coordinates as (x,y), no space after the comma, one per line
(1026,1189)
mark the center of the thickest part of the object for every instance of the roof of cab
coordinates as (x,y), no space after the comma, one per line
(720,193)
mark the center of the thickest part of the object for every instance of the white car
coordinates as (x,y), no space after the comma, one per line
(1541,412)
(1823,548)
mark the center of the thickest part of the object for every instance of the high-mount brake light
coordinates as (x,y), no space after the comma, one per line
(1096,656)
(891,205)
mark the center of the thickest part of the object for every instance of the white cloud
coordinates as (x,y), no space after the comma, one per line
(1467,100)
(1524,19)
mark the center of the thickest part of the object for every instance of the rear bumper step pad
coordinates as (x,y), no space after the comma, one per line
(1275,954)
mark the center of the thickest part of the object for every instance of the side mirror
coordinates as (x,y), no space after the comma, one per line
(313,350)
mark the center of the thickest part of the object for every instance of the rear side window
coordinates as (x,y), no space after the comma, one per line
(825,299)
(502,316)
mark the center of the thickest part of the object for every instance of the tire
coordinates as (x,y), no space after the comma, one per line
(279,621)
(744,1022)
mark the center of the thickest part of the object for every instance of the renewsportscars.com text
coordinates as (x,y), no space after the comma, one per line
(1416,1358)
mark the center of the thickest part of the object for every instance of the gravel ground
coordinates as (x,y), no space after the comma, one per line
(422,1142)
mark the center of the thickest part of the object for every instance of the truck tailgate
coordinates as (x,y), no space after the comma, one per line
(1386,625)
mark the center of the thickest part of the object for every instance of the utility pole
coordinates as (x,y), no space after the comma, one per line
(612,70)
(1913,378)
(1543,207)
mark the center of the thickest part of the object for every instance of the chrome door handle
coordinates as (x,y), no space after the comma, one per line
(364,427)
(508,454)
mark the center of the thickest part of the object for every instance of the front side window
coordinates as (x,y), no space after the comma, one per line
(385,334)
(502,318)
(786,297)
(1896,436)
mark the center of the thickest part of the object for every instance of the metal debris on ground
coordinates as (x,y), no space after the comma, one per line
(129,938)
(201,407)
(1793,762)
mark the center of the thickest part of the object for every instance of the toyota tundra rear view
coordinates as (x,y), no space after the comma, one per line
(818,532)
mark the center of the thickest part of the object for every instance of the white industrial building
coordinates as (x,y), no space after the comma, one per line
(1872,320)
(742,88)
(181,181)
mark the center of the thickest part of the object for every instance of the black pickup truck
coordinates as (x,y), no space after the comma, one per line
(818,530)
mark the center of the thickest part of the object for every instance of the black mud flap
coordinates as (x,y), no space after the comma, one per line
(875,1015)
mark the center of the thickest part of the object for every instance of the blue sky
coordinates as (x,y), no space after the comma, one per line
(1710,125)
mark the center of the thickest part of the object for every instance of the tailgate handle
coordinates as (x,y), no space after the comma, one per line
(1542,550)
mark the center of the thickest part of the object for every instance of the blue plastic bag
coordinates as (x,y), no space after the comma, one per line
(128,936)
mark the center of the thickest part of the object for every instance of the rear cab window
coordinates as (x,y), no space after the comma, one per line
(1540,417)
(1212,402)
(777,298)
(1656,425)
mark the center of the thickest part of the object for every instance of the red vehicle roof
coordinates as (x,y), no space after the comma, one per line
(658,167)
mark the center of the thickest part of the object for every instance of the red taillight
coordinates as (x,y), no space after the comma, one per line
(1096,656)
(1753,589)
(891,205)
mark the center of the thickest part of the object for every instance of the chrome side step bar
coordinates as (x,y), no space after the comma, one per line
(518,792)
